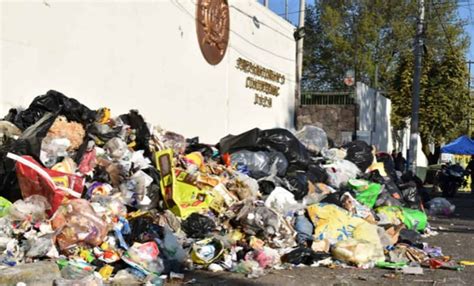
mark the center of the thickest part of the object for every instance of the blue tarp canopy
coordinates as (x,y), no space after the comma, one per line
(461,146)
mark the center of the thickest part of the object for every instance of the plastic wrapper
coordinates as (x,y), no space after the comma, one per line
(76,222)
(260,163)
(440,206)
(357,252)
(144,257)
(117,148)
(42,246)
(359,153)
(198,226)
(244,186)
(258,220)
(36,180)
(313,138)
(206,251)
(32,208)
(174,141)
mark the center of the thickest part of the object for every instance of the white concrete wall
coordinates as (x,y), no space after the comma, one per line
(145,55)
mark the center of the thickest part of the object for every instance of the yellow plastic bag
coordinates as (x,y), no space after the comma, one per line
(331,222)
(180,196)
(357,252)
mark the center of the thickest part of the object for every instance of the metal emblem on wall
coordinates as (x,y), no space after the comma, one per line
(212,26)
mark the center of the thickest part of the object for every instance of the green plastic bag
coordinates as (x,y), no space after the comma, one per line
(366,192)
(414,218)
(390,265)
(4,206)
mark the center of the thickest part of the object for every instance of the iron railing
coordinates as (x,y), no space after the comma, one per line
(327,98)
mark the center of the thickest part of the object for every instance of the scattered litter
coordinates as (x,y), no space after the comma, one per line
(90,199)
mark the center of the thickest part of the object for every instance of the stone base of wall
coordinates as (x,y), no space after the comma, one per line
(334,119)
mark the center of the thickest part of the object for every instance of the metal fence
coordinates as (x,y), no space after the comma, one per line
(327,98)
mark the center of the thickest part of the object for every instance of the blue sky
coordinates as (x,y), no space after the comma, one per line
(466,11)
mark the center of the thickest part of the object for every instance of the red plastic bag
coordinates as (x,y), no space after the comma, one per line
(34,179)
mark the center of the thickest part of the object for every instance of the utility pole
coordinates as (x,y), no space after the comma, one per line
(286,10)
(265,2)
(471,107)
(415,103)
(299,59)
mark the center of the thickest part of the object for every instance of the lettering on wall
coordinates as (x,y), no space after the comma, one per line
(264,81)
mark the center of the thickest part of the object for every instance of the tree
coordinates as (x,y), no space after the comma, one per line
(444,98)
(365,35)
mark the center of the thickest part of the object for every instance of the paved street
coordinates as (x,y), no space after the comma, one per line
(456,239)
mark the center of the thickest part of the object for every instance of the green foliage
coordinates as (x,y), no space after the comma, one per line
(370,35)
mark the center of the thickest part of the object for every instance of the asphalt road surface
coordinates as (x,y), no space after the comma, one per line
(455,238)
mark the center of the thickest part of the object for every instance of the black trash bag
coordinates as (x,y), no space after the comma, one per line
(387,199)
(29,143)
(143,229)
(54,102)
(246,140)
(285,142)
(260,164)
(317,174)
(193,145)
(359,153)
(302,255)
(298,182)
(388,164)
(136,122)
(409,236)
(11,115)
(335,198)
(411,197)
(198,226)
(101,133)
(266,187)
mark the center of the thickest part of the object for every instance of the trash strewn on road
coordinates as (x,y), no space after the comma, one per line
(98,198)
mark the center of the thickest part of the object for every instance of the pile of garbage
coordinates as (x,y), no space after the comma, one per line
(92,198)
